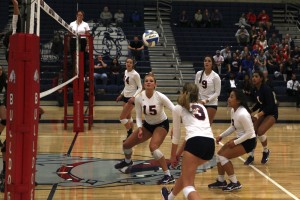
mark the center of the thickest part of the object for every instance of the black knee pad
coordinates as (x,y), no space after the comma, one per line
(3,148)
(3,122)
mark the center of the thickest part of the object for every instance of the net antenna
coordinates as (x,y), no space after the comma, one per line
(36,6)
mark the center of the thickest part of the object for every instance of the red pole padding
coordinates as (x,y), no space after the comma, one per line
(22,116)
(78,95)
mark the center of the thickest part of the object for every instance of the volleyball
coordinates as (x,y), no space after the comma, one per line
(150,38)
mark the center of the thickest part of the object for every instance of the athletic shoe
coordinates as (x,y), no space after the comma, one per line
(165,193)
(217,185)
(232,186)
(123,164)
(166,180)
(249,160)
(265,157)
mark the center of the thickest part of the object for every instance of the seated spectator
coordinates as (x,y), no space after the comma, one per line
(273,40)
(106,16)
(289,41)
(272,65)
(226,53)
(293,89)
(245,53)
(136,49)
(261,61)
(264,19)
(100,71)
(235,68)
(136,19)
(242,36)
(255,50)
(216,18)
(218,61)
(183,19)
(242,21)
(247,66)
(281,59)
(198,18)
(206,18)
(261,31)
(295,55)
(230,83)
(290,68)
(258,45)
(251,18)
(247,87)
(263,42)
(253,34)
(269,82)
(115,72)
(119,18)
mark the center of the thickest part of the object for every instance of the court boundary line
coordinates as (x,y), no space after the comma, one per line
(269,179)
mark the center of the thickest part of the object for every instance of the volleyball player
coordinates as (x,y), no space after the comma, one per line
(200,144)
(133,87)
(151,103)
(266,116)
(244,142)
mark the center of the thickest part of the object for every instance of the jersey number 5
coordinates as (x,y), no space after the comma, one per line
(198,112)
(152,110)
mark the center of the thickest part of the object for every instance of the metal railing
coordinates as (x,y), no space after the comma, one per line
(292,14)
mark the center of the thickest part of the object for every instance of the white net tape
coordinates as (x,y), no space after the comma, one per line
(43,5)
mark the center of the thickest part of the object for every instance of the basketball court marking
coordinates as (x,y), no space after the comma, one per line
(268,178)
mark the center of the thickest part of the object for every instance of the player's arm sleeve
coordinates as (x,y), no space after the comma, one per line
(137,79)
(166,102)
(176,124)
(217,84)
(248,128)
(228,131)
(196,78)
(138,111)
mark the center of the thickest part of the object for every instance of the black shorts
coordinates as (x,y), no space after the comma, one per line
(249,144)
(151,128)
(211,106)
(125,99)
(202,147)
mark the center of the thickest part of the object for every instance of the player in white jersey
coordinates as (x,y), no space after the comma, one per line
(133,87)
(200,144)
(209,84)
(151,103)
(244,142)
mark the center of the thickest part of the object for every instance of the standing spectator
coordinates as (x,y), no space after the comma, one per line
(244,142)
(206,20)
(199,140)
(106,16)
(293,89)
(242,36)
(155,126)
(251,18)
(136,19)
(119,18)
(136,49)
(198,18)
(101,70)
(266,116)
(264,19)
(219,60)
(183,19)
(216,18)
(115,72)
(242,21)
(132,88)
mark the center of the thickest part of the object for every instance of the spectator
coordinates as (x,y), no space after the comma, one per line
(253,34)
(247,66)
(281,59)
(231,83)
(261,61)
(106,16)
(136,19)
(115,72)
(289,41)
(293,89)
(264,20)
(198,18)
(289,68)
(183,19)
(235,67)
(295,55)
(216,18)
(219,61)
(245,53)
(273,40)
(263,42)
(251,18)
(272,65)
(242,36)
(206,18)
(261,31)
(119,18)
(242,21)
(136,49)
(226,53)
(247,88)
(100,71)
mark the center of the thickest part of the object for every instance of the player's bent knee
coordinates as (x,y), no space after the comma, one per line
(223,160)
(187,190)
(157,154)
(262,138)
(124,121)
(127,151)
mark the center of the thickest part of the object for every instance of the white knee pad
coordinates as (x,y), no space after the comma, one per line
(217,159)
(124,121)
(157,154)
(262,138)
(187,190)
(131,120)
(127,151)
(223,160)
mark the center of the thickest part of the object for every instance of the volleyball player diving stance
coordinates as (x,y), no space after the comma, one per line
(151,103)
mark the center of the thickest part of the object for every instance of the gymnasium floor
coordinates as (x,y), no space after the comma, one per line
(85,170)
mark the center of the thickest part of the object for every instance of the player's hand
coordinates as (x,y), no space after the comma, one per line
(231,144)
(131,100)
(218,139)
(140,133)
(119,98)
(174,161)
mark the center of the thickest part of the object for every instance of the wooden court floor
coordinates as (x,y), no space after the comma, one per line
(278,179)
